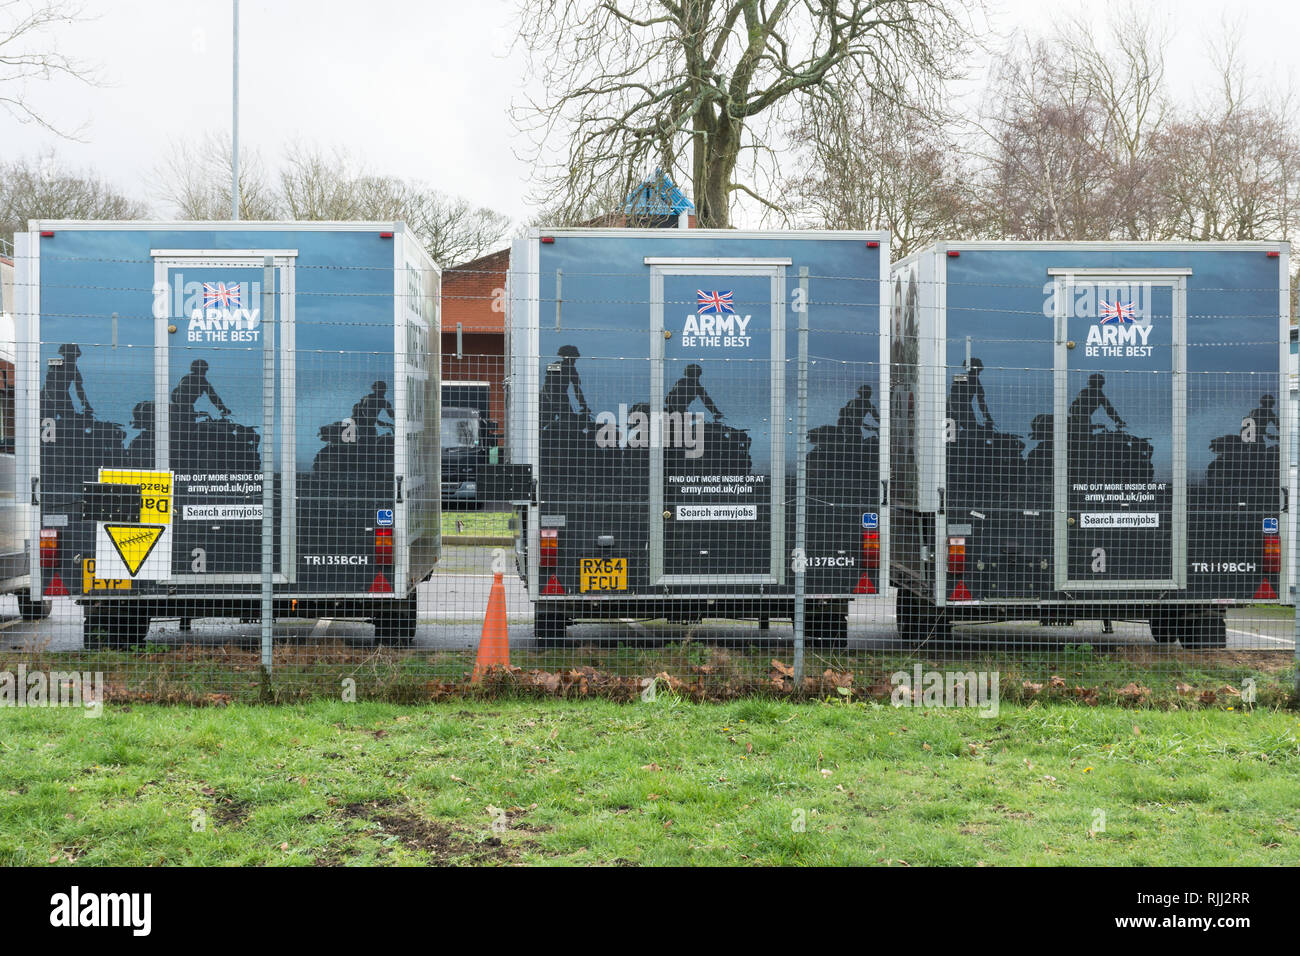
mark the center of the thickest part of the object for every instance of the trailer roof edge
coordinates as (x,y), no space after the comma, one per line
(1223,245)
(585,232)
(223,225)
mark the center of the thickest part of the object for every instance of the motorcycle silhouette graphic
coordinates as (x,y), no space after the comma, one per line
(1243,470)
(1107,454)
(842,464)
(366,459)
(984,461)
(202,443)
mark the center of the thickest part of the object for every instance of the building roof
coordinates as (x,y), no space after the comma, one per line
(497,261)
(657,196)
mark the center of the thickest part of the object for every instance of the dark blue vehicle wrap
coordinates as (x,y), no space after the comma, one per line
(1106,423)
(655,389)
(144,368)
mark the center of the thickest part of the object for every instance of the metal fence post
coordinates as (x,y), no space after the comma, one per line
(801,479)
(268,457)
(1294,515)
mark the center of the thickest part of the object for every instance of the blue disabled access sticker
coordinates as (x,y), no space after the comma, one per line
(1270,526)
(870,521)
(384,517)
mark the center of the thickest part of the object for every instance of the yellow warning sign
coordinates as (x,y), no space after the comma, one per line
(134,542)
(142,551)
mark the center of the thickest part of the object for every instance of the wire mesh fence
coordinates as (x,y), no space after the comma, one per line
(714,479)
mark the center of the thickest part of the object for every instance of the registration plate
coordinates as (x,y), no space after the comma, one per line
(91,583)
(602,574)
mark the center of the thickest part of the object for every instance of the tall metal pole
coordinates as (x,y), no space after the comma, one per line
(801,484)
(268,457)
(234,123)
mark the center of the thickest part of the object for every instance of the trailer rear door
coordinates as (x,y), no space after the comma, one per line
(1119,427)
(210,389)
(717,400)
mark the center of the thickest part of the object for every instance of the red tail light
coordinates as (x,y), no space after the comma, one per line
(1272,554)
(956,555)
(550,556)
(49,548)
(384,547)
(871,550)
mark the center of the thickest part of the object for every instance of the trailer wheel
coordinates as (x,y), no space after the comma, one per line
(1201,631)
(33,610)
(918,619)
(113,627)
(548,628)
(1163,631)
(828,627)
(395,624)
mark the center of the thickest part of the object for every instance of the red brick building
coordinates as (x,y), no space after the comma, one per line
(473,325)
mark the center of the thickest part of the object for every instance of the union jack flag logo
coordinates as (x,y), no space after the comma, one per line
(714,303)
(1116,312)
(221,294)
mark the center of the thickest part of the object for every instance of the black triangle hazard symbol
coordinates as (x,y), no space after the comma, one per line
(134,542)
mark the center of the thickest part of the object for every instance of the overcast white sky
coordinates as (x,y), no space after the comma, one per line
(417,89)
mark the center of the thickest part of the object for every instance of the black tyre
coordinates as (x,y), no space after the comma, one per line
(395,624)
(548,628)
(1203,631)
(32,610)
(827,628)
(1163,630)
(919,620)
(114,626)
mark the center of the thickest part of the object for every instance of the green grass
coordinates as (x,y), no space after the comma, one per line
(666,782)
(484,523)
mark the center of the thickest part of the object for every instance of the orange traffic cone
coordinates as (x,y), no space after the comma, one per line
(494,643)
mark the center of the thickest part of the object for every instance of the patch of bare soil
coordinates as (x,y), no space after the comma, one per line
(227,811)
(446,845)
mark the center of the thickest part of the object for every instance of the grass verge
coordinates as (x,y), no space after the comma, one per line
(666,782)
(486,524)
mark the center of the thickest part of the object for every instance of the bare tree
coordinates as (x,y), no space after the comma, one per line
(28,53)
(1071,124)
(319,185)
(44,189)
(692,85)
(1046,177)
(604,207)
(888,167)
(453,229)
(1230,169)
(1123,72)
(315,184)
(195,179)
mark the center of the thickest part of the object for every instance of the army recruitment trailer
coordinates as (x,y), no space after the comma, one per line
(167,372)
(700,409)
(1090,431)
